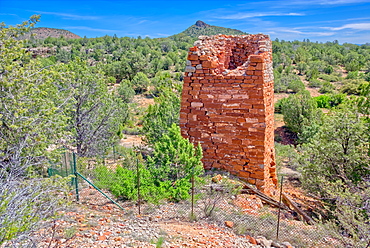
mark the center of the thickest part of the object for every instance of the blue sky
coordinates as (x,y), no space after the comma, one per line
(317,20)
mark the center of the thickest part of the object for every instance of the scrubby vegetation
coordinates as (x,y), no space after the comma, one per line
(81,96)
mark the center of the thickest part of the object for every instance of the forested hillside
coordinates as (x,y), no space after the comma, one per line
(80,94)
(43,33)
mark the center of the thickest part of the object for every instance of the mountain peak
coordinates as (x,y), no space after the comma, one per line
(201,24)
(202,28)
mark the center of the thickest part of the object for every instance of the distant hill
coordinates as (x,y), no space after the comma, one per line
(202,28)
(43,33)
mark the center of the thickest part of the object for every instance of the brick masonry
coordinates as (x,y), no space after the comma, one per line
(227,106)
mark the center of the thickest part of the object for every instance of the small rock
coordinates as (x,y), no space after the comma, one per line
(287,245)
(251,240)
(229,224)
(102,238)
(117,238)
(217,178)
(262,241)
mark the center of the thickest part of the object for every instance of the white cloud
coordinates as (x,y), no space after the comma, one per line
(356,26)
(69,16)
(239,16)
(298,32)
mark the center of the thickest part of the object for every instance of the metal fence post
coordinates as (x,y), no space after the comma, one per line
(278,223)
(76,176)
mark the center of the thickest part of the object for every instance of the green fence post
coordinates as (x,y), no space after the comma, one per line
(76,176)
(101,192)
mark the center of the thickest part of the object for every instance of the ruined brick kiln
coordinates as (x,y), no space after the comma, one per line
(227,106)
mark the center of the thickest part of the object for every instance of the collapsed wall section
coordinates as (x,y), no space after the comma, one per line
(227,106)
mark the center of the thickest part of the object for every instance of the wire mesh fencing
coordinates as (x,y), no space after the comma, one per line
(64,166)
(99,185)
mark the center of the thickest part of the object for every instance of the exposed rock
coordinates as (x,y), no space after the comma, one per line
(262,241)
(201,24)
(251,240)
(42,51)
(217,178)
(277,245)
(229,224)
(43,33)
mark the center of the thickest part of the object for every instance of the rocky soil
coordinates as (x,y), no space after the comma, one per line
(96,222)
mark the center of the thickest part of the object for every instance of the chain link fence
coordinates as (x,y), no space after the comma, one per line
(213,200)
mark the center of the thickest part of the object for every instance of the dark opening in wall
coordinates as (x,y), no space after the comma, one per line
(238,57)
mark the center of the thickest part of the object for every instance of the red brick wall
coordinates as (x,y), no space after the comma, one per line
(227,106)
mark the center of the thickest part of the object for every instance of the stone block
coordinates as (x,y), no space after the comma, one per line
(193,57)
(190,69)
(204,57)
(256,58)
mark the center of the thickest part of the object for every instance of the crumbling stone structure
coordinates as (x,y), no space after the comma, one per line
(227,106)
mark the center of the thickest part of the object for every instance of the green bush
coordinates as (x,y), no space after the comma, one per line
(337,99)
(279,104)
(327,87)
(174,157)
(162,114)
(299,110)
(329,78)
(284,82)
(334,166)
(125,91)
(352,75)
(167,174)
(328,69)
(315,83)
(296,86)
(323,101)
(366,76)
(140,82)
(330,101)
(352,86)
